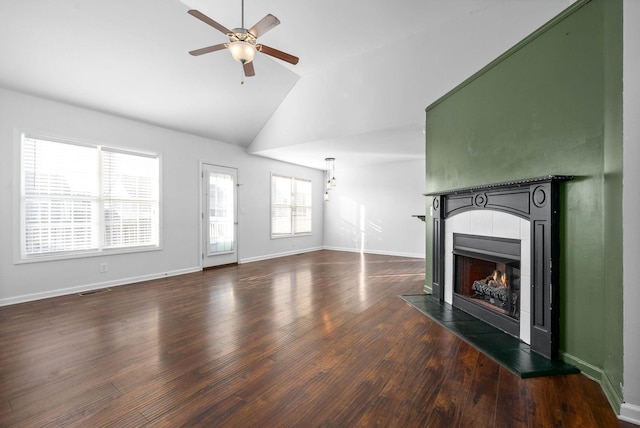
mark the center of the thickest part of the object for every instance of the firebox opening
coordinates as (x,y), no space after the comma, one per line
(493,284)
(486,280)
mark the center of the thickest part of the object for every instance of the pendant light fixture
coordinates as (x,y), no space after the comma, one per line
(329,176)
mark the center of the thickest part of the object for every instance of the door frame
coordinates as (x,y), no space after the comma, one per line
(203,165)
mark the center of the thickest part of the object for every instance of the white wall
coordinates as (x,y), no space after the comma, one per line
(181,157)
(371,207)
(388,87)
(630,409)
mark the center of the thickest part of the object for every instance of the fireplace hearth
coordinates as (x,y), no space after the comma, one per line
(501,263)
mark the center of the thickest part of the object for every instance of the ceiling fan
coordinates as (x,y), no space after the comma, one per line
(242,42)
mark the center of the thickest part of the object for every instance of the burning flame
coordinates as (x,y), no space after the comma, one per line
(499,278)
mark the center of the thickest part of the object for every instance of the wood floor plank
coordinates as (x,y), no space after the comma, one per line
(573,413)
(511,405)
(5,407)
(315,340)
(62,409)
(450,401)
(543,406)
(483,394)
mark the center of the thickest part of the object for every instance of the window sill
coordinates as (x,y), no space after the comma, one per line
(297,235)
(83,255)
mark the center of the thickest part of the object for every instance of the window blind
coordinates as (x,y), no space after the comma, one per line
(301,206)
(60,197)
(290,206)
(280,205)
(78,198)
(130,199)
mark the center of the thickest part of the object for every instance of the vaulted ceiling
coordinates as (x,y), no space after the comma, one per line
(367,69)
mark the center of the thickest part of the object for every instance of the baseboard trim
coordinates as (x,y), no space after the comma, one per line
(277,255)
(94,286)
(614,397)
(630,413)
(598,375)
(309,250)
(589,370)
(380,252)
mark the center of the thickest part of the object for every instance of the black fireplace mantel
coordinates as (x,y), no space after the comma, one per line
(535,199)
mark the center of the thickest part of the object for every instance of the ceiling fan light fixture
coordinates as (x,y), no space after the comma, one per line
(242,51)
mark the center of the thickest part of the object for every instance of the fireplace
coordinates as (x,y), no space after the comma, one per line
(496,255)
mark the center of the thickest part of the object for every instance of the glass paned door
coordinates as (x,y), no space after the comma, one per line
(219,216)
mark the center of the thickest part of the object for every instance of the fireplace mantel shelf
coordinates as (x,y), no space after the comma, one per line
(513,183)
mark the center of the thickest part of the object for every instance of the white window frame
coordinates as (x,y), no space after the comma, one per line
(292,206)
(100,248)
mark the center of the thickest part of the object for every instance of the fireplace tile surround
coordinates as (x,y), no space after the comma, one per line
(496,224)
(528,210)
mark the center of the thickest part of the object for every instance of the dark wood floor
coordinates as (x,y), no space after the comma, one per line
(320,339)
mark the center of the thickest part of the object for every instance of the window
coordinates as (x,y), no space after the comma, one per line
(290,206)
(79,199)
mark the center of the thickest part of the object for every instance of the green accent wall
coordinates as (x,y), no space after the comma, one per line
(553,105)
(613,235)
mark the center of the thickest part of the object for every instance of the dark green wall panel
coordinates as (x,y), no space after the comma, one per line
(613,235)
(540,110)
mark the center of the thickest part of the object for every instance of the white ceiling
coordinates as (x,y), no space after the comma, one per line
(367,69)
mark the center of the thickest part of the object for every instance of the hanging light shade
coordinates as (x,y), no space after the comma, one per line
(241,51)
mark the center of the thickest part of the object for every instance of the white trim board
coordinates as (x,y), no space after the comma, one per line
(94,286)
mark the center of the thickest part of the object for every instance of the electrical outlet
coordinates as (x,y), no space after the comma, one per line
(103,267)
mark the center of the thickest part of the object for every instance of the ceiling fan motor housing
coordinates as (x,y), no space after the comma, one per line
(241,35)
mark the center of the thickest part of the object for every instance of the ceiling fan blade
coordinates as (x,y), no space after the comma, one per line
(279,54)
(208,49)
(264,25)
(248,69)
(204,18)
